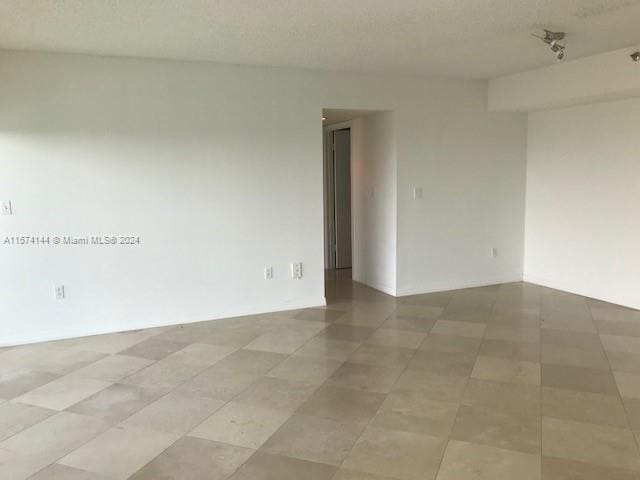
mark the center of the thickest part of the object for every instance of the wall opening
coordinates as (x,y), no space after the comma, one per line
(359,199)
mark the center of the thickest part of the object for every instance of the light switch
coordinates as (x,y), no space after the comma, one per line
(417,193)
(6,208)
(59,292)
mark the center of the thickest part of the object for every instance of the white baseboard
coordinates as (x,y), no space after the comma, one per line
(455,285)
(84,331)
(545,282)
(388,289)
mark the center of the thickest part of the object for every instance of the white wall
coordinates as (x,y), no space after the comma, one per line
(218,169)
(583,201)
(374,193)
(470,165)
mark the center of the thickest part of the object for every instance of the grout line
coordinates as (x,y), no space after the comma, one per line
(624,407)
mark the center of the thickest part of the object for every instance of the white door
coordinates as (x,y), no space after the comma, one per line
(342,177)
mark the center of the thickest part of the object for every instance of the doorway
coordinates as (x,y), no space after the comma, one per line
(359,197)
(342,189)
(338,186)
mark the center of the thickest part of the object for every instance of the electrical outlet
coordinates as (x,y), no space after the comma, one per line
(494,252)
(59,292)
(296,270)
(268,273)
(5,206)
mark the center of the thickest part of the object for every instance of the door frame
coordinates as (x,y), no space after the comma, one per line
(329,193)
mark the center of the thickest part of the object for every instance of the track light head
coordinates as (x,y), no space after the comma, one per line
(552,39)
(635,56)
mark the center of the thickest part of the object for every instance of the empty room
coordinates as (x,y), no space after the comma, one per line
(283,240)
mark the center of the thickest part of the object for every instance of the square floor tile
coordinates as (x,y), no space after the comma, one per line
(262,466)
(112,368)
(202,354)
(164,375)
(409,322)
(443,363)
(628,384)
(620,343)
(602,445)
(324,347)
(237,337)
(16,383)
(349,333)
(370,354)
(344,474)
(511,397)
(632,409)
(15,417)
(572,356)
(282,341)
(498,428)
(401,455)
(342,404)
(218,382)
(416,311)
(391,337)
(411,411)
(451,344)
(112,342)
(461,329)
(435,387)
(115,403)
(319,315)
(21,467)
(62,472)
(194,459)
(251,362)
(276,393)
(174,413)
(132,447)
(619,327)
(523,351)
(584,340)
(624,362)
(154,349)
(562,469)
(45,438)
(63,393)
(62,361)
(577,378)
(305,369)
(364,317)
(370,378)
(583,407)
(506,370)
(314,439)
(240,424)
(498,331)
(468,461)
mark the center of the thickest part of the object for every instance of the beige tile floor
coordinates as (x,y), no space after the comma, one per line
(503,382)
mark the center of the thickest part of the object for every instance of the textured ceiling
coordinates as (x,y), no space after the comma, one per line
(451,38)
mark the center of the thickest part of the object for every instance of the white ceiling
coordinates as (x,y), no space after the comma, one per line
(452,38)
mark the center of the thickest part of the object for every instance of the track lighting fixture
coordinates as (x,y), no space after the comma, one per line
(635,56)
(553,40)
